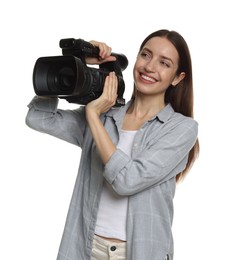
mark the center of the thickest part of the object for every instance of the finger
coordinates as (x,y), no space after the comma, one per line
(105,50)
(110,87)
(104,53)
(113,85)
(106,89)
(108,58)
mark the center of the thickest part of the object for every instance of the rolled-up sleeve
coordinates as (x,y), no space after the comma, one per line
(44,116)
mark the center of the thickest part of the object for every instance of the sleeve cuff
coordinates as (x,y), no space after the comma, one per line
(115,165)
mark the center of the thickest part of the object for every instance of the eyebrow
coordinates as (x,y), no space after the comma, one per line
(163,57)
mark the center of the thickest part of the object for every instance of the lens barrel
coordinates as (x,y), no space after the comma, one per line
(58,76)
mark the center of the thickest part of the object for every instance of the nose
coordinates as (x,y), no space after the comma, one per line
(150,66)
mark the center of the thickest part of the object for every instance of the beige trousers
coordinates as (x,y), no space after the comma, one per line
(107,250)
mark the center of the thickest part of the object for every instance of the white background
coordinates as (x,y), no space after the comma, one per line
(37,172)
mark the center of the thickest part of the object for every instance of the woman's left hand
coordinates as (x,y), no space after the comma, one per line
(108,97)
(94,109)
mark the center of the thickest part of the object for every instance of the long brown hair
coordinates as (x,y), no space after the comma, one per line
(181,96)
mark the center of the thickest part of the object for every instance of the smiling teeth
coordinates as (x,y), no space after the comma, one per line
(148,78)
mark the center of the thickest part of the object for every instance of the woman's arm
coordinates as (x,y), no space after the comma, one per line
(101,105)
(44,116)
(94,109)
(158,156)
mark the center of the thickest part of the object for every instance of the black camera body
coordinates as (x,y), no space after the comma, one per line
(70,78)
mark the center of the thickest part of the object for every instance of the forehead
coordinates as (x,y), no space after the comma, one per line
(162,47)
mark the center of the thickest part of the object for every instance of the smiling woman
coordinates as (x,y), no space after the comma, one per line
(132,155)
(156,67)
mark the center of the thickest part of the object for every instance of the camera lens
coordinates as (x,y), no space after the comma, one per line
(65,79)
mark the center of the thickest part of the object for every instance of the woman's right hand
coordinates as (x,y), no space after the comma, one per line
(104,53)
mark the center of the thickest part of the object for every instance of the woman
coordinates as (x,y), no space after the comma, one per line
(132,156)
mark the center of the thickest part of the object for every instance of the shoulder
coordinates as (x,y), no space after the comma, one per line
(183,126)
(178,118)
(177,122)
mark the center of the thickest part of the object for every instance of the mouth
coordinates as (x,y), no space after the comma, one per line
(146,78)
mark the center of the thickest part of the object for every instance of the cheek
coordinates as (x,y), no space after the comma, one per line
(139,63)
(134,70)
(168,76)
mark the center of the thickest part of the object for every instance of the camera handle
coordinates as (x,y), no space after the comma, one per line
(83,49)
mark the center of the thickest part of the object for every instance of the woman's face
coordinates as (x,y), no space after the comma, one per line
(156,66)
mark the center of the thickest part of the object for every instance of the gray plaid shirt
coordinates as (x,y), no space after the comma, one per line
(160,151)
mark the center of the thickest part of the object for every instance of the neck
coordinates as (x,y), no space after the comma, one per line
(146,107)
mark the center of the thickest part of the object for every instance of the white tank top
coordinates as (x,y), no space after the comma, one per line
(112,213)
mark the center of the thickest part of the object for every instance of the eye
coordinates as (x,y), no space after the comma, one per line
(145,54)
(165,63)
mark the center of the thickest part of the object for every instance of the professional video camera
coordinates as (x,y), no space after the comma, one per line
(69,77)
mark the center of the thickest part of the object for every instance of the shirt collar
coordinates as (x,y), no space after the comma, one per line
(165,114)
(119,113)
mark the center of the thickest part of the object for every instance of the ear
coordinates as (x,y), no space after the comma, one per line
(177,79)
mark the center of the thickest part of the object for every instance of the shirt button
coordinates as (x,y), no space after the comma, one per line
(113,248)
